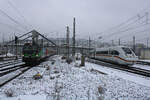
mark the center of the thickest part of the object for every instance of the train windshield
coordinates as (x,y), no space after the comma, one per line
(127,50)
(29,46)
(29,49)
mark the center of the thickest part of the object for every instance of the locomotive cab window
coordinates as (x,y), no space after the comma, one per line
(27,47)
(127,50)
(115,52)
(30,49)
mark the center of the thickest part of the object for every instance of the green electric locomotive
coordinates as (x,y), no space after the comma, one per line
(33,53)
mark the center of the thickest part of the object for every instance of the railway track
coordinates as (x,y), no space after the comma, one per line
(8,73)
(143,63)
(9,58)
(12,62)
(7,70)
(11,70)
(134,70)
(7,78)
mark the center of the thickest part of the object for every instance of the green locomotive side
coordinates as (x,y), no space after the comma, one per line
(31,53)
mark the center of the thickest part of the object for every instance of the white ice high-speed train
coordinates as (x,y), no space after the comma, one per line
(117,54)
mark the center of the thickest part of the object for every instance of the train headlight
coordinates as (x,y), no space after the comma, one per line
(22,55)
(37,55)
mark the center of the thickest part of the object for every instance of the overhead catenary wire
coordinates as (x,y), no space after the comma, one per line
(138,40)
(13,20)
(19,13)
(123,23)
(132,28)
(12,27)
(128,29)
(141,31)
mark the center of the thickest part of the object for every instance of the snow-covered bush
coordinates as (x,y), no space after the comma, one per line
(101,90)
(9,93)
(63,57)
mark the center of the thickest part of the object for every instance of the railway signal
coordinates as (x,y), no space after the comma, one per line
(16,39)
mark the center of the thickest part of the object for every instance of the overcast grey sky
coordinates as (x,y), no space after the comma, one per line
(92,16)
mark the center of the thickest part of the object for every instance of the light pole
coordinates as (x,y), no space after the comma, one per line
(99,38)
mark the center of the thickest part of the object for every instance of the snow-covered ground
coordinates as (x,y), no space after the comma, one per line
(71,82)
(10,75)
(10,61)
(145,60)
(8,55)
(122,74)
(12,65)
(146,67)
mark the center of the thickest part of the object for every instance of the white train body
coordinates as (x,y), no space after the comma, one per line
(117,54)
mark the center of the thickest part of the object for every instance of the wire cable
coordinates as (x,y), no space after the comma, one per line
(19,13)
(12,27)
(13,20)
(130,19)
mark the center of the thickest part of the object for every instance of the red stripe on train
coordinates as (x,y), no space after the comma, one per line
(116,57)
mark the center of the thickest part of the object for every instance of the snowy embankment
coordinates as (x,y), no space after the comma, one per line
(7,77)
(146,67)
(70,82)
(12,65)
(8,55)
(124,85)
(9,61)
(145,60)
(122,74)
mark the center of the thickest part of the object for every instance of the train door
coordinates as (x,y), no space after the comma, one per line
(94,53)
(116,56)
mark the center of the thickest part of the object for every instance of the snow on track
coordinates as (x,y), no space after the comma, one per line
(145,60)
(12,65)
(74,83)
(146,67)
(122,74)
(10,61)
(10,75)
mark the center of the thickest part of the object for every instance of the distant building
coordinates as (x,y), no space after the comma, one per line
(145,53)
(138,48)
